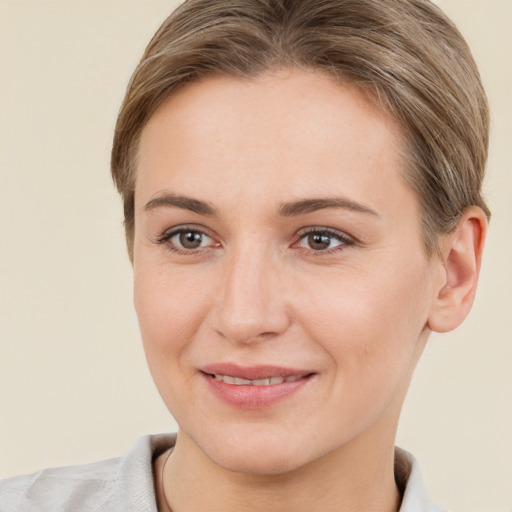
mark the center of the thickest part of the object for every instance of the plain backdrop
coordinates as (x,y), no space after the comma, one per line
(73,381)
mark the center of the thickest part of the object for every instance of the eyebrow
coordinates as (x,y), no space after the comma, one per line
(186,203)
(311,205)
(291,209)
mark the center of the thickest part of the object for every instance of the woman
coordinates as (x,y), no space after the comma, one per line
(302,195)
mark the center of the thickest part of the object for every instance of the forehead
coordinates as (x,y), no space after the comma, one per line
(292,132)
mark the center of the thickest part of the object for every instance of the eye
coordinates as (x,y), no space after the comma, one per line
(323,240)
(190,239)
(185,239)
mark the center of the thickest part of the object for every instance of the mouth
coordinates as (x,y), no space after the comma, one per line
(254,387)
(268,381)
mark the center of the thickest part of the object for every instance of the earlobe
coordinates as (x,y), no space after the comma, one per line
(461,258)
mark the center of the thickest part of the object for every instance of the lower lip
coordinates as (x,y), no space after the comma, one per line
(254,397)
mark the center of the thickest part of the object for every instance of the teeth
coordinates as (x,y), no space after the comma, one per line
(240,382)
(261,382)
(237,381)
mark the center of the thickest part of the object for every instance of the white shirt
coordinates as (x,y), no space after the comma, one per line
(126,484)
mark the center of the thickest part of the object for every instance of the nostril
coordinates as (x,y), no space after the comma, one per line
(267,334)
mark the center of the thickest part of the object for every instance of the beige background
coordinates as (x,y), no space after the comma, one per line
(73,382)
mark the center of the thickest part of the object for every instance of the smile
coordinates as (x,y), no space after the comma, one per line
(270,381)
(255,387)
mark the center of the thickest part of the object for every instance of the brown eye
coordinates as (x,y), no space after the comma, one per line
(186,240)
(324,240)
(319,242)
(190,239)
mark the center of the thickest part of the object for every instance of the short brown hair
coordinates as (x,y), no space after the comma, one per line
(405,53)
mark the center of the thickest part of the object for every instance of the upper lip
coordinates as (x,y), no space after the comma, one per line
(253,372)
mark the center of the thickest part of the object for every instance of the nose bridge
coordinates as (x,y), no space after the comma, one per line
(251,305)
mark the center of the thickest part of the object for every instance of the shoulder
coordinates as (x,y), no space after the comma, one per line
(79,487)
(120,484)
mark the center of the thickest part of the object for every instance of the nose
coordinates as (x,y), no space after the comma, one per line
(251,305)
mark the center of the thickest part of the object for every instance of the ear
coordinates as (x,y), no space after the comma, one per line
(461,255)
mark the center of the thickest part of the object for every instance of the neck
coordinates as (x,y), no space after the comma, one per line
(355,477)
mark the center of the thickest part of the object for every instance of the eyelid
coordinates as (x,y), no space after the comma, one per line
(325,229)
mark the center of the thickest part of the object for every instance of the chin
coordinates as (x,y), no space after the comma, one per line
(257,453)
(259,462)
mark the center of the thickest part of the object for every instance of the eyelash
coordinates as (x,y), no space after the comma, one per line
(166,237)
(344,239)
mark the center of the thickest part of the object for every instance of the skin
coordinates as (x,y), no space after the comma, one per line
(357,313)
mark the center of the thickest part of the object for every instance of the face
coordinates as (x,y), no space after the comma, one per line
(281,282)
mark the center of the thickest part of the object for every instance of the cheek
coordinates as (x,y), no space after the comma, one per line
(169,307)
(368,322)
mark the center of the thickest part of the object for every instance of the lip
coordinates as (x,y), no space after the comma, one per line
(253,372)
(251,396)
